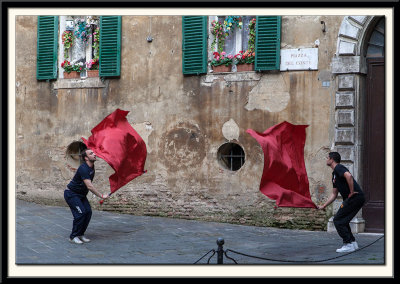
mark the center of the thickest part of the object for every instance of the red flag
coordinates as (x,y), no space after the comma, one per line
(115,141)
(284,177)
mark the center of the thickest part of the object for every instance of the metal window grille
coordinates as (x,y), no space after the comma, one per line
(232,155)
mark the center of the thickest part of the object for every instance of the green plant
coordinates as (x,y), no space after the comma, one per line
(96,42)
(248,56)
(252,35)
(68,67)
(221,30)
(78,67)
(68,41)
(244,57)
(221,59)
(219,36)
(93,64)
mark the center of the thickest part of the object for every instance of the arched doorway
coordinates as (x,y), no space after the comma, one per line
(373,154)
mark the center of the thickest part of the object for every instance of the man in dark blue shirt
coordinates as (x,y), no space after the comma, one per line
(75,196)
(353,199)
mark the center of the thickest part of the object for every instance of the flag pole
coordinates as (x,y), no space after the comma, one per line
(102,200)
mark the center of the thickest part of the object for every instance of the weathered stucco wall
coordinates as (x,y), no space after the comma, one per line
(182,119)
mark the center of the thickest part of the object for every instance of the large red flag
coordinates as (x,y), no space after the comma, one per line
(115,141)
(284,177)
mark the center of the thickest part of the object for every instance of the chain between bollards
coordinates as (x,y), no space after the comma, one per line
(221,252)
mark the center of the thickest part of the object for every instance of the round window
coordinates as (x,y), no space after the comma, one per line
(231,156)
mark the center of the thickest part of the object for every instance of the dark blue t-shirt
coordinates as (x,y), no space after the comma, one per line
(77,185)
(340,182)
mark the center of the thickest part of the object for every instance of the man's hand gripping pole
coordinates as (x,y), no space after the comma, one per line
(102,200)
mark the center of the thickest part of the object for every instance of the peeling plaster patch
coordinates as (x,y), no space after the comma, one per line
(208,80)
(271,94)
(183,147)
(230,130)
(144,129)
(242,76)
(190,93)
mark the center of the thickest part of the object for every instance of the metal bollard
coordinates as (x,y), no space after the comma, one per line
(220,251)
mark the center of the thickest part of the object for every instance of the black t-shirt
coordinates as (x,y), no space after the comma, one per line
(339,181)
(77,185)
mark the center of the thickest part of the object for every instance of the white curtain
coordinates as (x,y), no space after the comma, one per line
(245,31)
(232,47)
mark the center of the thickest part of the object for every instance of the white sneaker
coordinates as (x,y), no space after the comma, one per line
(76,240)
(355,245)
(346,248)
(84,239)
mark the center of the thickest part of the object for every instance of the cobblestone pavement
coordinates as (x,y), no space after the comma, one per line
(42,238)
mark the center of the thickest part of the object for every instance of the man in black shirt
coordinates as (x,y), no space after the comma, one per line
(75,196)
(353,199)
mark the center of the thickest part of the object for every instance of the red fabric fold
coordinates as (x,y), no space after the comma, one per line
(115,141)
(284,177)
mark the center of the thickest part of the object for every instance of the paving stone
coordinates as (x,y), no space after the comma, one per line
(42,238)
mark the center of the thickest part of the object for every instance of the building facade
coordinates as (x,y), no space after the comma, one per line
(201,164)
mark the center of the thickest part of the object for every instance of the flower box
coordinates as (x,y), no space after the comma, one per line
(221,68)
(245,67)
(92,73)
(72,75)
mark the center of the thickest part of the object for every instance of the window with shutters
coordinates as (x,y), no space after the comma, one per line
(86,44)
(231,41)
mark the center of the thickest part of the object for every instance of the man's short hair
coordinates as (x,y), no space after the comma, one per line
(335,156)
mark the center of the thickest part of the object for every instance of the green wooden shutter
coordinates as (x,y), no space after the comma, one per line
(268,43)
(110,46)
(47,47)
(194,44)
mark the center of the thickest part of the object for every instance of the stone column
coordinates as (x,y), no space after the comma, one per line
(345,138)
(350,69)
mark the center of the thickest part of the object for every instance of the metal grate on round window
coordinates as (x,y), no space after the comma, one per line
(231,156)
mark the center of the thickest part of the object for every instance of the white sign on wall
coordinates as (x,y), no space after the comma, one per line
(299,59)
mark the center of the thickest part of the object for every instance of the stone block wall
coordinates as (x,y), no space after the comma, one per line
(349,67)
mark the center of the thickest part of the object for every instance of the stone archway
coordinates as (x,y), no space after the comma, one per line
(349,68)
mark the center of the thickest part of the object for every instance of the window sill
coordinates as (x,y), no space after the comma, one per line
(83,83)
(230,72)
(232,77)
